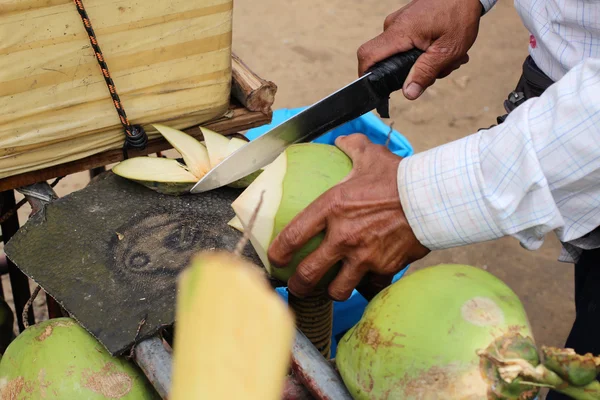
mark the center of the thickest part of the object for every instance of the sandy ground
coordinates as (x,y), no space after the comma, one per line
(308,47)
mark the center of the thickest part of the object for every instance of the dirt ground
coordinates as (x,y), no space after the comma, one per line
(308,47)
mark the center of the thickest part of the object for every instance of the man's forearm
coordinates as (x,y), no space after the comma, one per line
(537,172)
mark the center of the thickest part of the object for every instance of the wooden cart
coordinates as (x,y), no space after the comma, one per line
(249,105)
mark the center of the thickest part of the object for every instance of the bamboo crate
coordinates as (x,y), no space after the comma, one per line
(171,63)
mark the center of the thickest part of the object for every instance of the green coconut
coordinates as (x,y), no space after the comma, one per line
(58,359)
(455,332)
(168,176)
(290,183)
(418,338)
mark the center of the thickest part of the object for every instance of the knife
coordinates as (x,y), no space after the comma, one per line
(371,91)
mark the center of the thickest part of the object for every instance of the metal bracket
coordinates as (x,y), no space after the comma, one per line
(38,195)
(383,109)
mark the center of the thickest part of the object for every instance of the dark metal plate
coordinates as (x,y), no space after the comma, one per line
(110,253)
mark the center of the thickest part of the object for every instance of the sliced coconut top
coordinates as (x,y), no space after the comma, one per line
(155,169)
(271,182)
(217,146)
(193,152)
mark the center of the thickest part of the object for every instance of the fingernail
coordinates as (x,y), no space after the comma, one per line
(413,90)
(276,263)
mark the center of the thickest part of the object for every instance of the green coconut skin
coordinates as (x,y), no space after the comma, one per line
(418,338)
(58,359)
(312,169)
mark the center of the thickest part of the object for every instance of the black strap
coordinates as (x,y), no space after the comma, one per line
(533,83)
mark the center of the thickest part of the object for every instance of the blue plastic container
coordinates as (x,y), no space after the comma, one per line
(345,314)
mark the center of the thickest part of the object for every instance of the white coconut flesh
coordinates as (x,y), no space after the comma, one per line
(235,223)
(217,146)
(156,169)
(270,181)
(193,152)
(235,144)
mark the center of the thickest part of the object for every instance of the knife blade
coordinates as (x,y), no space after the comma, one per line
(370,91)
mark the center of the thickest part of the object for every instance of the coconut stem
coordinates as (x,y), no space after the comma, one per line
(513,368)
(246,237)
(28,305)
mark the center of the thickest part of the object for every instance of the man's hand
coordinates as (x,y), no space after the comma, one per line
(444,29)
(365,227)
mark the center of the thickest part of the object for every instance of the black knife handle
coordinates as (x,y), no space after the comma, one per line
(388,76)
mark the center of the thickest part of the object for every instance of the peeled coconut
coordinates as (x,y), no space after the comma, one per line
(58,359)
(290,183)
(454,332)
(238,350)
(171,177)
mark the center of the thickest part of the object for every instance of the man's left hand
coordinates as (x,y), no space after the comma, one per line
(365,227)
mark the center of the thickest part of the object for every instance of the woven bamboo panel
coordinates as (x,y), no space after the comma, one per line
(170,61)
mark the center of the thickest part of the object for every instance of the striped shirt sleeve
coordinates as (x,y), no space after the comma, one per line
(537,172)
(487,5)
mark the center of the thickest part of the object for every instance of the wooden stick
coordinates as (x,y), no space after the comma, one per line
(28,305)
(239,248)
(237,119)
(255,93)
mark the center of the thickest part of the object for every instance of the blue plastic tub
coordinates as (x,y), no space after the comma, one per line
(346,314)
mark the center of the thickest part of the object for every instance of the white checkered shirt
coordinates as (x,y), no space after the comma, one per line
(536,173)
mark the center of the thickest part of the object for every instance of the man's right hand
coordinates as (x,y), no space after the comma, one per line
(444,29)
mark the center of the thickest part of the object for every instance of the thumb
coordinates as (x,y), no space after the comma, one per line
(353,145)
(428,67)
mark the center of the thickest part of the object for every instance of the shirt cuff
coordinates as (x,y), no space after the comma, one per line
(441,191)
(487,5)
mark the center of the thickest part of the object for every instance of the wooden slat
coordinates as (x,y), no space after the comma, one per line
(255,93)
(170,62)
(237,119)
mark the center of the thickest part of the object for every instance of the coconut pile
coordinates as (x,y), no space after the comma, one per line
(447,332)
